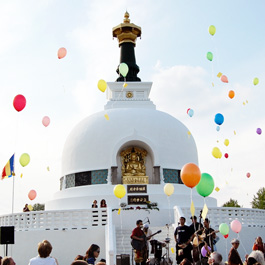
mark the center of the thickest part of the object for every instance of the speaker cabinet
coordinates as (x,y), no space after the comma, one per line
(123,259)
(7,235)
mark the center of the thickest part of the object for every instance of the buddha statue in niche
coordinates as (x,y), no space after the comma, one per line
(133,162)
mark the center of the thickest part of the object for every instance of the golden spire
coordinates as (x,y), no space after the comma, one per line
(126,31)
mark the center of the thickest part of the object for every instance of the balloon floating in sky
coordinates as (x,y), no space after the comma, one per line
(169,189)
(32,194)
(24,159)
(231,94)
(190,112)
(255,81)
(190,175)
(102,85)
(258,131)
(226,236)
(212,30)
(226,142)
(224,79)
(224,229)
(206,185)
(209,56)
(19,102)
(123,69)
(226,155)
(219,119)
(248,175)
(62,53)
(216,152)
(46,121)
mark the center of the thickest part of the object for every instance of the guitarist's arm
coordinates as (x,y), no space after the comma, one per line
(137,238)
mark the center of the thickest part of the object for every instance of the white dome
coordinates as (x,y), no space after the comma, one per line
(95,142)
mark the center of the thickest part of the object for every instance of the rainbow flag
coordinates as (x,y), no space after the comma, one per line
(8,170)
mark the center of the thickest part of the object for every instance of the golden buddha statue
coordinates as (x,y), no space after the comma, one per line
(134,167)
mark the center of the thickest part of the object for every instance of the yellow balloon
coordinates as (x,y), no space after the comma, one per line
(24,159)
(226,142)
(168,189)
(119,191)
(216,152)
(212,30)
(102,85)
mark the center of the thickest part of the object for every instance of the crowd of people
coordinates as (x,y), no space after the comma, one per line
(44,258)
(195,244)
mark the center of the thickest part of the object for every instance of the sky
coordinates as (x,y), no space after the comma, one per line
(171,53)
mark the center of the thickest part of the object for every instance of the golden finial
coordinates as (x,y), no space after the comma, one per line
(126,17)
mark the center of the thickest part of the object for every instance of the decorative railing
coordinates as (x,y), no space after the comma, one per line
(55,220)
(248,217)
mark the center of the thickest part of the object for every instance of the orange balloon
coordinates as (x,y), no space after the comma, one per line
(190,175)
(231,94)
(62,53)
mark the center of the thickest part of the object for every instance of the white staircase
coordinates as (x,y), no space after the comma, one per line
(123,241)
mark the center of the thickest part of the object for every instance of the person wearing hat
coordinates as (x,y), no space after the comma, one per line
(147,231)
(233,256)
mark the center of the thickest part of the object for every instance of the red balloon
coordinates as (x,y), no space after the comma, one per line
(226,236)
(226,155)
(62,53)
(32,194)
(19,102)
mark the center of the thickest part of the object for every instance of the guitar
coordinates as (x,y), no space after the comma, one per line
(139,245)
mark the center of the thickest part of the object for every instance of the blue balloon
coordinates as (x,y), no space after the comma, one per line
(219,118)
(190,112)
(218,128)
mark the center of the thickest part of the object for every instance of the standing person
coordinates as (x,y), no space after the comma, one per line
(95,204)
(8,261)
(44,250)
(147,231)
(209,234)
(103,204)
(183,237)
(196,230)
(92,254)
(258,245)
(139,244)
(233,256)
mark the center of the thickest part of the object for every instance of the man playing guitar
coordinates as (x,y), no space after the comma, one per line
(140,253)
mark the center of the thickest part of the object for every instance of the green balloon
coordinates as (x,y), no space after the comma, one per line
(212,30)
(206,185)
(224,229)
(123,69)
(209,56)
(24,159)
(255,81)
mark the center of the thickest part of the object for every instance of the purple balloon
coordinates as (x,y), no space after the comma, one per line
(204,251)
(259,131)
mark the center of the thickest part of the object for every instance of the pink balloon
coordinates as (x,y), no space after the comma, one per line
(248,175)
(236,226)
(224,79)
(62,53)
(19,102)
(32,194)
(46,121)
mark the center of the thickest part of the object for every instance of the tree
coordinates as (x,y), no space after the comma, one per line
(38,207)
(231,203)
(259,199)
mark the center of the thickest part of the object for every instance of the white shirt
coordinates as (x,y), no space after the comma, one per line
(42,261)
